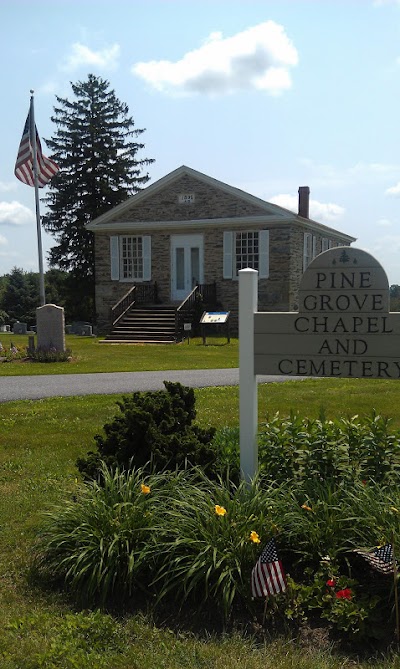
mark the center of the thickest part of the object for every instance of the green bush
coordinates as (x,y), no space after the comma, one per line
(175,535)
(210,542)
(96,544)
(349,449)
(182,537)
(156,428)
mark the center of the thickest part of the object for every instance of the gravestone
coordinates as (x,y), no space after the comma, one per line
(50,324)
(20,328)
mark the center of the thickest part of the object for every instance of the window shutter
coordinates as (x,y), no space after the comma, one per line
(146,257)
(114,255)
(325,244)
(263,250)
(228,253)
(307,250)
(314,247)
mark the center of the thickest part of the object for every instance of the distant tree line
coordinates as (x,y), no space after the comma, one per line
(19,295)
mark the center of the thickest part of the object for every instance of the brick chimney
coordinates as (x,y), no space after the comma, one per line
(304,201)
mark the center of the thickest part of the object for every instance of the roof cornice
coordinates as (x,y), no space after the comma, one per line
(183,226)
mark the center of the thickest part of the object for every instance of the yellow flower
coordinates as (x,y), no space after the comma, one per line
(145,489)
(306,507)
(254,537)
(393,508)
(219,510)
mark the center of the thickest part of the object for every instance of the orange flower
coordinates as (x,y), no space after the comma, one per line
(145,489)
(219,510)
(306,507)
(254,537)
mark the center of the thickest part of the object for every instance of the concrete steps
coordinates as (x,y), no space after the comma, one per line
(151,324)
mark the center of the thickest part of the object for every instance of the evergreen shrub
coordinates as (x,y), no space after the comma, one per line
(154,430)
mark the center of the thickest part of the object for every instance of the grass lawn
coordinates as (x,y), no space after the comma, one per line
(88,355)
(40,441)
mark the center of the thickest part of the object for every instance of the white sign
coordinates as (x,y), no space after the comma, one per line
(343,327)
(214,317)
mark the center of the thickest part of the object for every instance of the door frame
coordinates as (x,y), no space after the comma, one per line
(186,241)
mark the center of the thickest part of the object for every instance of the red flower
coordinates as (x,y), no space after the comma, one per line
(344,594)
(331,583)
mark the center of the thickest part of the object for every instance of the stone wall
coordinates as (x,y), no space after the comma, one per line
(210,202)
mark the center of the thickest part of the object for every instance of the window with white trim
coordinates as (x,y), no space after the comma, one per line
(130,257)
(309,249)
(131,249)
(243,249)
(246,251)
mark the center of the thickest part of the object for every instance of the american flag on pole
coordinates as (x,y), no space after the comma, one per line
(47,168)
(268,576)
(380,558)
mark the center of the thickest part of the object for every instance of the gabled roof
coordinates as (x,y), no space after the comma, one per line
(276,214)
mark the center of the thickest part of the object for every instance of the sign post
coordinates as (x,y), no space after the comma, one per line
(248,400)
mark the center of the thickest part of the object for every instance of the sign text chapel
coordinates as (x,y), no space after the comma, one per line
(343,327)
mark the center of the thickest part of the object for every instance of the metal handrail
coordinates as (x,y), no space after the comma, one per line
(137,294)
(190,298)
(122,306)
(207,292)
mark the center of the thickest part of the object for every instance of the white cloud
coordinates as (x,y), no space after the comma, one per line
(15,213)
(319,211)
(258,58)
(384,223)
(3,240)
(393,190)
(81,55)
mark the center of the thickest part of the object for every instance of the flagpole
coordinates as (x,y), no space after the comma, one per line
(38,225)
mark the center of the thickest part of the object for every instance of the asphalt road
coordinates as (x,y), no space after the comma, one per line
(66,385)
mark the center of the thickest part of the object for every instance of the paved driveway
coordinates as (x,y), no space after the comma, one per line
(64,385)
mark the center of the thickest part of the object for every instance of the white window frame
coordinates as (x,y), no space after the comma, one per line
(117,260)
(230,270)
(308,248)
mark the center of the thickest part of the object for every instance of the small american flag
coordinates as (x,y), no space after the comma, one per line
(268,577)
(47,168)
(380,559)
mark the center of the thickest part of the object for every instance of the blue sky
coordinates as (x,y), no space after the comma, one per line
(264,95)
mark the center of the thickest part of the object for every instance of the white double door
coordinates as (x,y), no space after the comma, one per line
(187,260)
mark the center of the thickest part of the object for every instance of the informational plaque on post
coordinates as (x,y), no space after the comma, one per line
(343,327)
(214,317)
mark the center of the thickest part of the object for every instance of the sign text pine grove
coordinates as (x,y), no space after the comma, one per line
(343,327)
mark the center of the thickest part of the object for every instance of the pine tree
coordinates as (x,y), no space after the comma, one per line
(95,148)
(21,296)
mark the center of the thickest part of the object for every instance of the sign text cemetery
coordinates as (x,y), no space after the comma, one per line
(343,329)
